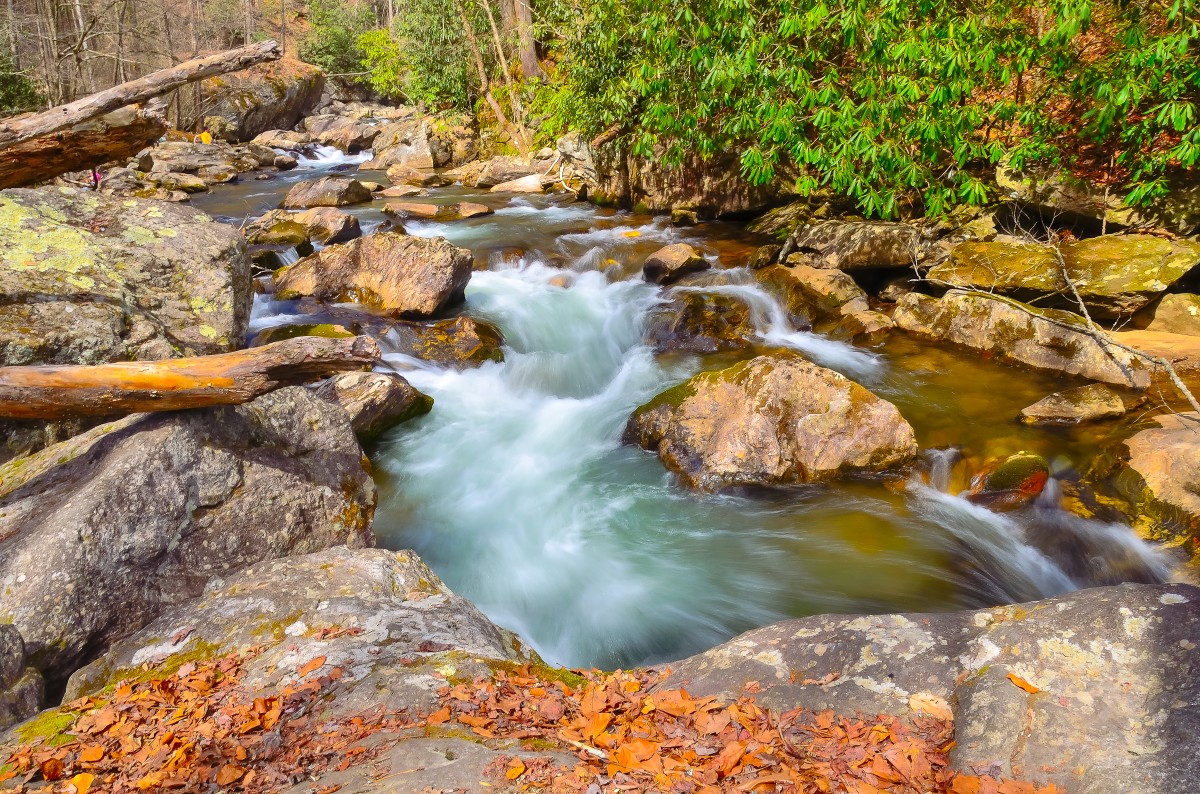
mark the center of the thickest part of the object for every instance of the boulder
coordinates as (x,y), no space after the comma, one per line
(668,264)
(328,191)
(1154,476)
(215,162)
(1115,275)
(1093,691)
(763,256)
(453,140)
(1090,403)
(701,322)
(375,401)
(855,245)
(814,293)
(21,686)
(87,278)
(346,134)
(402,275)
(402,191)
(324,225)
(103,531)
(384,618)
(439,212)
(492,172)
(774,419)
(267,96)
(403,143)
(1011,483)
(459,343)
(534,183)
(1004,329)
(407,175)
(1177,313)
(288,140)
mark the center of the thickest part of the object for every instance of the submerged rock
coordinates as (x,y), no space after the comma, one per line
(1024,683)
(375,401)
(278,333)
(406,276)
(459,343)
(700,322)
(86,278)
(328,191)
(103,531)
(1010,331)
(438,212)
(669,264)
(773,419)
(1090,403)
(854,245)
(383,618)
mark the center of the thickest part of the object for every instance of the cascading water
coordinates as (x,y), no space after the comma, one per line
(326,157)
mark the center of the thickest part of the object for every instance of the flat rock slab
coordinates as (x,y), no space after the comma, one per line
(1097,691)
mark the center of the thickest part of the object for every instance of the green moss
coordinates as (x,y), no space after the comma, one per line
(49,727)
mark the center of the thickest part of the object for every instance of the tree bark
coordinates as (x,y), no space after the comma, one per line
(65,392)
(525,41)
(23,128)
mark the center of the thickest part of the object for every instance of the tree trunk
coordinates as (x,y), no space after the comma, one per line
(484,83)
(522,136)
(32,125)
(65,392)
(526,43)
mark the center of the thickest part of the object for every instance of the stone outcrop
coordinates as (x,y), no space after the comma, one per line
(773,419)
(856,245)
(406,276)
(403,143)
(1115,275)
(268,96)
(21,686)
(214,163)
(1075,406)
(87,278)
(459,343)
(1094,690)
(375,401)
(1004,329)
(328,191)
(105,530)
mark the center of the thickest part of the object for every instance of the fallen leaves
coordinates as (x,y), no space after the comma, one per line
(1021,683)
(933,705)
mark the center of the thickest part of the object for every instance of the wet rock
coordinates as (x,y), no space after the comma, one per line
(1090,403)
(346,134)
(289,140)
(863,327)
(285,162)
(1175,314)
(410,627)
(700,322)
(896,288)
(402,191)
(439,212)
(328,191)
(492,172)
(526,184)
(812,292)
(280,332)
(684,216)
(407,175)
(1115,275)
(764,256)
(1115,665)
(1155,478)
(1045,339)
(266,96)
(324,225)
(103,531)
(375,401)
(668,264)
(406,276)
(459,343)
(403,143)
(87,278)
(854,245)
(1011,484)
(773,419)
(21,686)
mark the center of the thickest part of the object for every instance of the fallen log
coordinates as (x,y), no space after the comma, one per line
(116,136)
(64,392)
(32,125)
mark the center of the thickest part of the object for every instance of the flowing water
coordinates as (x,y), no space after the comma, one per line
(517,490)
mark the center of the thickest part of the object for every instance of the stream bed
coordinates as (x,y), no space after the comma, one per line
(517,491)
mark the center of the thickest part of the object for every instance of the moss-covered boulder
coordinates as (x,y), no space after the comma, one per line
(267,96)
(459,343)
(701,322)
(87,278)
(405,276)
(1091,403)
(278,333)
(1115,275)
(328,191)
(1006,330)
(1011,483)
(774,419)
(375,401)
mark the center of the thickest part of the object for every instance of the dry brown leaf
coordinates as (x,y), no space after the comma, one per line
(311,665)
(931,704)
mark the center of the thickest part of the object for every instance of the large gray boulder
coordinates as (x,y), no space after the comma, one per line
(403,143)
(328,191)
(383,617)
(267,96)
(21,686)
(1007,330)
(774,419)
(375,401)
(101,532)
(854,245)
(1096,691)
(86,278)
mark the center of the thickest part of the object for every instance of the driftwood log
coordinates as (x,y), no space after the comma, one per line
(64,392)
(33,125)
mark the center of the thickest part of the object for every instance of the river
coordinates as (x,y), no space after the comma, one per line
(517,490)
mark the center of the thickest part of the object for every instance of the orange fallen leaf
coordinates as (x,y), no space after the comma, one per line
(439,717)
(92,754)
(515,769)
(311,666)
(931,704)
(1023,684)
(52,769)
(228,774)
(82,782)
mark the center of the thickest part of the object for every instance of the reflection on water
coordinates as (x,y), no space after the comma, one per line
(517,490)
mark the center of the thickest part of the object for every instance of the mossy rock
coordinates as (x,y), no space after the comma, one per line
(281,332)
(1022,471)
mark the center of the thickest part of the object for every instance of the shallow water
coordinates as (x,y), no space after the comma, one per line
(517,490)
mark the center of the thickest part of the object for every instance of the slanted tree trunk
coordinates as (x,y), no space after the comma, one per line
(65,392)
(32,125)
